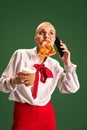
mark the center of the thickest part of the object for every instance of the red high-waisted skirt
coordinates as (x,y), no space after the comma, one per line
(29,117)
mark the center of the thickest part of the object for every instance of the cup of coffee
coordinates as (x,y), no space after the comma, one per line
(31,72)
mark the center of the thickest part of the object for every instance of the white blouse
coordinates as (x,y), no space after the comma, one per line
(66,81)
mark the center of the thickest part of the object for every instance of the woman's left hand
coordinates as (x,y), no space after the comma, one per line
(66,57)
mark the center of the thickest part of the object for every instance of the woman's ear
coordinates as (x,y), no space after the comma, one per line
(55,39)
(35,39)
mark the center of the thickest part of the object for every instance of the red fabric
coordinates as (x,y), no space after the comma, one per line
(45,73)
(28,117)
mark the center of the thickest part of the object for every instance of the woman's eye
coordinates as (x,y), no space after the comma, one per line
(42,33)
(51,33)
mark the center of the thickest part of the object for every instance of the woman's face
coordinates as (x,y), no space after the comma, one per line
(44,32)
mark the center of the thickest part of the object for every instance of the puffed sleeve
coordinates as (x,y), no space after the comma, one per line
(68,81)
(10,72)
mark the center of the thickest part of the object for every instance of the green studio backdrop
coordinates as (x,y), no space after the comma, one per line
(18,21)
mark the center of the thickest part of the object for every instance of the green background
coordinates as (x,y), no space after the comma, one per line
(18,21)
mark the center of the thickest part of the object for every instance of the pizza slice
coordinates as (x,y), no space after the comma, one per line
(47,49)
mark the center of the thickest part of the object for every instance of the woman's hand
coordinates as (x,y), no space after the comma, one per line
(66,57)
(20,78)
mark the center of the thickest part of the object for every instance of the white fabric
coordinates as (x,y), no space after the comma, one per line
(67,82)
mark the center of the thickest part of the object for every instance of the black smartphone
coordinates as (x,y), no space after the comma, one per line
(57,43)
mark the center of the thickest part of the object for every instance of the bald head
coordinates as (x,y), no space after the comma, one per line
(44,24)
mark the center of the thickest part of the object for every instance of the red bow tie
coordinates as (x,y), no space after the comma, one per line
(45,73)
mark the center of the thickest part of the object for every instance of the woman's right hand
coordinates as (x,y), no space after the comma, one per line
(20,78)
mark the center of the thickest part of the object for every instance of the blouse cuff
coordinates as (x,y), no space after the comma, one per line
(70,68)
(8,84)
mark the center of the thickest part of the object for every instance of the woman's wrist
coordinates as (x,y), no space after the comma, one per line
(13,81)
(68,63)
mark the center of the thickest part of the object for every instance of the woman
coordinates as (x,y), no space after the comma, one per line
(32,106)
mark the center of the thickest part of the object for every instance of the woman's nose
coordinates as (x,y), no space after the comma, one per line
(46,34)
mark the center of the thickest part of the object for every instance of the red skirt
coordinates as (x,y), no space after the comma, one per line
(29,117)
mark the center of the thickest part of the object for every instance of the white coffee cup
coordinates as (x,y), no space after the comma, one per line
(31,72)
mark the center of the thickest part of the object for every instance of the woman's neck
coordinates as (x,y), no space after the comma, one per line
(41,59)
